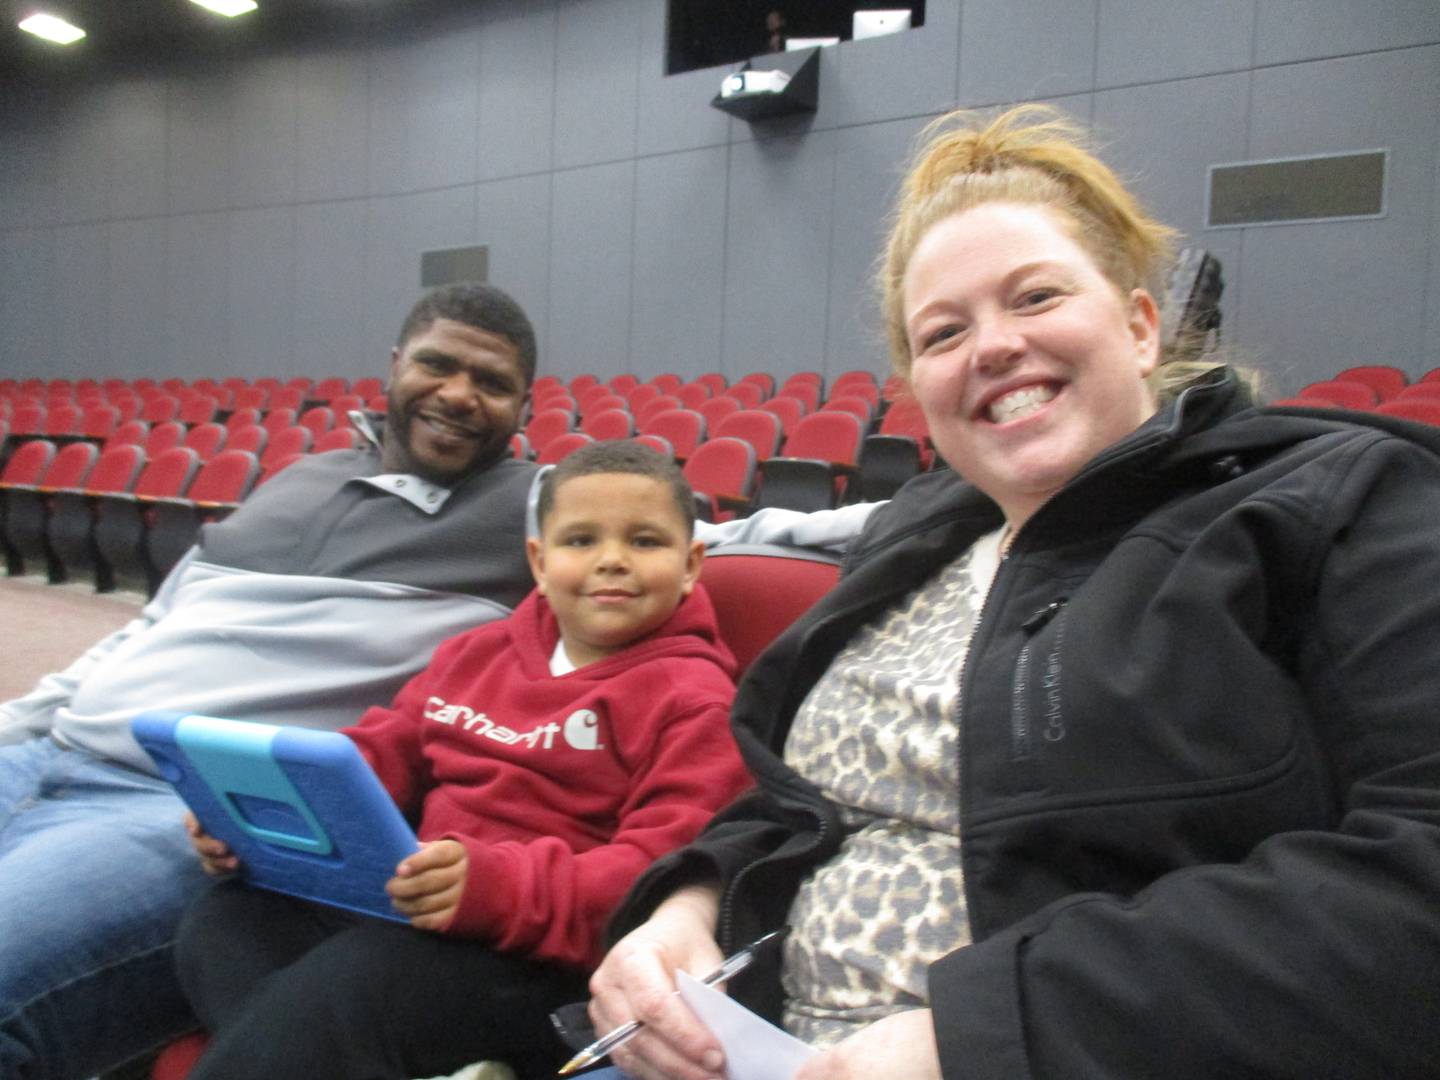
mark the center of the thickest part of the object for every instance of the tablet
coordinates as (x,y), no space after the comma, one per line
(301,808)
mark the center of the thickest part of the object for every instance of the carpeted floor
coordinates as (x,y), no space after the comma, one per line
(48,626)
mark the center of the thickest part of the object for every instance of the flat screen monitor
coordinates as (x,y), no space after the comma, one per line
(878,22)
(795,43)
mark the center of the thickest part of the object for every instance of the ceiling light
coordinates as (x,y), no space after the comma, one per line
(229,8)
(52,28)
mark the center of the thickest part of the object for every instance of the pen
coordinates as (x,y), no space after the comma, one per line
(732,965)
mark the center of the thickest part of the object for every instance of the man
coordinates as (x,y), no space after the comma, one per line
(319,597)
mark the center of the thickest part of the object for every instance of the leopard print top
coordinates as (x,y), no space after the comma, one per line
(879,735)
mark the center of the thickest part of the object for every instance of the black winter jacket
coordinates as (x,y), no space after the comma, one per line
(1200,757)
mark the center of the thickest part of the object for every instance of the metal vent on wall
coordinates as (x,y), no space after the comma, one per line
(454,264)
(1327,187)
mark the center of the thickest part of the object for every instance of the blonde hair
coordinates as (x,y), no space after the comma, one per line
(1029,154)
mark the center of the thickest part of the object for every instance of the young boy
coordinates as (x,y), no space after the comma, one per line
(549,758)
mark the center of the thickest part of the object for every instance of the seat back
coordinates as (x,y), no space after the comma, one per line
(368,387)
(70,466)
(685,428)
(759,590)
(654,407)
(827,436)
(225,478)
(319,420)
(340,438)
(546,425)
(716,409)
(659,444)
(163,436)
(29,463)
(131,432)
(197,408)
(1348,395)
(158,408)
(790,410)
(115,470)
(804,391)
(99,420)
(609,424)
(759,428)
(329,389)
(561,446)
(1425,410)
(62,420)
(1385,380)
(169,474)
(205,439)
(283,443)
(723,470)
(251,437)
(693,394)
(278,418)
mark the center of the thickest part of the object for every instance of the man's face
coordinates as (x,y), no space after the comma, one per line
(455,398)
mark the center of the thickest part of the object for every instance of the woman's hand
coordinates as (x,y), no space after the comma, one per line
(902,1045)
(636,980)
(428,885)
(216,858)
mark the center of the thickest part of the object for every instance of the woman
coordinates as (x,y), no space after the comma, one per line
(1116,751)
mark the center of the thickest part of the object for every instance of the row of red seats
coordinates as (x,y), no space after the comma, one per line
(235,392)
(99,418)
(1377,388)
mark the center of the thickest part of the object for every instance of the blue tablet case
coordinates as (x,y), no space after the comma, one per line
(302,809)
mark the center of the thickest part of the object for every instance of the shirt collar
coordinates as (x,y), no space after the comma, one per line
(418,492)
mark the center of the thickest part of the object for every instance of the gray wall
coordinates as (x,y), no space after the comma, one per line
(266,215)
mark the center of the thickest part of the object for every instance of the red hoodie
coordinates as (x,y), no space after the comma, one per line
(562,789)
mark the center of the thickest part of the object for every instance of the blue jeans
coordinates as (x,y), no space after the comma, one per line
(95,870)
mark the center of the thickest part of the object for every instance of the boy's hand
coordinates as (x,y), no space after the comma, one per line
(216,859)
(427,886)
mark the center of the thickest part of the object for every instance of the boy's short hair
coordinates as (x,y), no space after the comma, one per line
(618,456)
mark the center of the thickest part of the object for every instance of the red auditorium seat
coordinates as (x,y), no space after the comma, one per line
(71,524)
(790,410)
(99,421)
(24,471)
(130,432)
(667,383)
(819,455)
(1423,390)
(197,408)
(722,474)
(251,437)
(319,420)
(278,418)
(340,438)
(548,424)
(205,439)
(61,420)
(174,524)
(714,382)
(896,452)
(580,383)
(693,394)
(640,396)
(601,400)
(242,418)
(1348,395)
(716,409)
(759,590)
(162,437)
(158,408)
(287,397)
(759,428)
(1421,409)
(284,443)
(684,428)
(749,394)
(561,446)
(368,387)
(658,443)
(609,424)
(342,404)
(654,407)
(123,517)
(763,379)
(27,419)
(519,447)
(1385,380)
(327,390)
(622,384)
(804,391)
(852,403)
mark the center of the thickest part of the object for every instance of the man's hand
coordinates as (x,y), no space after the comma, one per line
(428,885)
(902,1045)
(216,858)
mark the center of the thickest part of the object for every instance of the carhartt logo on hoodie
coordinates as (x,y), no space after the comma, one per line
(581,730)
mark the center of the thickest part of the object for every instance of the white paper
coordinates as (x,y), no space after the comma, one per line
(755,1049)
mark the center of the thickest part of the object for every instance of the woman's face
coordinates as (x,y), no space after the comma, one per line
(1027,361)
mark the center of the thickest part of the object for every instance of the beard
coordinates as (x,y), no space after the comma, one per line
(486,445)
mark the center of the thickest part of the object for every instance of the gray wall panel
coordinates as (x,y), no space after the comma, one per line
(517,91)
(591,268)
(139,344)
(1141,41)
(778,248)
(82,299)
(867,177)
(674,111)
(330,335)
(197,292)
(1290,30)
(137,132)
(82,162)
(27,302)
(260,297)
(332,125)
(200,110)
(679,264)
(596,78)
(424,112)
(27,167)
(1017,50)
(1161,138)
(1318,297)
(398,229)
(264,138)
(512,219)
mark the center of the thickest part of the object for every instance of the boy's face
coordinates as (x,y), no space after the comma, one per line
(614,559)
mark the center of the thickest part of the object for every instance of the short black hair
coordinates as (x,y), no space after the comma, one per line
(618,456)
(482,306)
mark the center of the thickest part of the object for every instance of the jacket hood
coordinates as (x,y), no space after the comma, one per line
(691,631)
